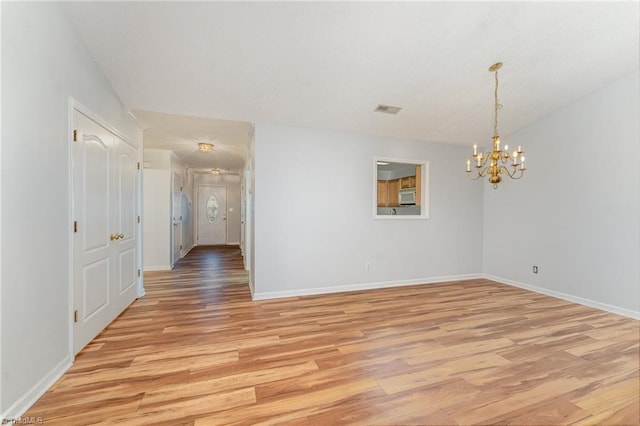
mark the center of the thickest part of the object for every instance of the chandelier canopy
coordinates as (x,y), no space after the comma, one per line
(499,161)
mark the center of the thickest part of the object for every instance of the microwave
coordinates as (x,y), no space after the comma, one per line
(407,197)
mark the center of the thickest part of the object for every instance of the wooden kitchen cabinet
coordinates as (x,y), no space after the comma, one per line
(383,193)
(388,193)
(408,182)
(394,187)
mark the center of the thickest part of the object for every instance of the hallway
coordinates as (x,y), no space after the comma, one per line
(197,351)
(176,328)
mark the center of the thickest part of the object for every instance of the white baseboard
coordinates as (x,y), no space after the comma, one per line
(19,407)
(568,297)
(157,268)
(357,287)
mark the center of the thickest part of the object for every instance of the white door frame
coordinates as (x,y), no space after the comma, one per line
(246,226)
(74,105)
(195,215)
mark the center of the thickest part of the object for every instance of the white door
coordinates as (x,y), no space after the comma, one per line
(212,215)
(124,249)
(105,235)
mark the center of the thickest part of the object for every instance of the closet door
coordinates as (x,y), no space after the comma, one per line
(125,185)
(104,245)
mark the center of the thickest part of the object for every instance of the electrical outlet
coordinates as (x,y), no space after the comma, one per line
(535,269)
(367,266)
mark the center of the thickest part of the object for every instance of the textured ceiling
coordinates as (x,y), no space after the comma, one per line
(329,64)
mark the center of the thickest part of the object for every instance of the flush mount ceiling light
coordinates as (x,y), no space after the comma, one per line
(205,147)
(496,162)
(215,171)
(388,109)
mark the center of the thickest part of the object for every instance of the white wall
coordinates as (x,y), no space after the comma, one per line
(232,183)
(575,214)
(44,63)
(157,159)
(314,227)
(156,214)
(160,166)
(1,374)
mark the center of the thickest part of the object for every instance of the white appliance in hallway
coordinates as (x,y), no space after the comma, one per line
(176,218)
(212,215)
(105,181)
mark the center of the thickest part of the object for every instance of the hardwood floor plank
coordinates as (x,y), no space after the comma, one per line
(196,350)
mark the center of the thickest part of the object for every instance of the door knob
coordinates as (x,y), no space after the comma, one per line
(120,236)
(114,237)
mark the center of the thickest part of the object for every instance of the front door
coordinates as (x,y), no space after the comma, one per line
(105,235)
(212,215)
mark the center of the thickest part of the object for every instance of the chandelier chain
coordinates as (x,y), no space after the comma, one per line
(496,107)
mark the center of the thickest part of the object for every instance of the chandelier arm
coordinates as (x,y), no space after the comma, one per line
(480,173)
(483,161)
(505,159)
(474,178)
(515,175)
(520,176)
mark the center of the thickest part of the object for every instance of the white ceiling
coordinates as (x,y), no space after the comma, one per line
(181,134)
(329,64)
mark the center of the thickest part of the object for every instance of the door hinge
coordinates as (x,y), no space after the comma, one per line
(75,226)
(138,272)
(181,247)
(138,165)
(75,135)
(75,316)
(138,218)
(180,188)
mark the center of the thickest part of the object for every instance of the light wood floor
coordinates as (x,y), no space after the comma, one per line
(197,351)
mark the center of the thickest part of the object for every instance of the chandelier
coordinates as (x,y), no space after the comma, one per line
(496,162)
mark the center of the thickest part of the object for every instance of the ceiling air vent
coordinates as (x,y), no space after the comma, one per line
(387,109)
